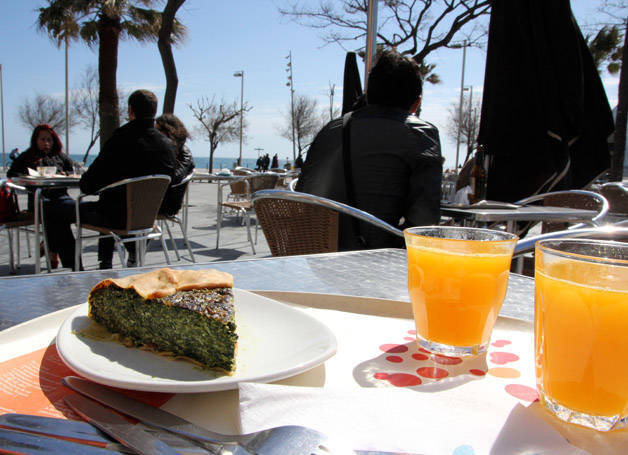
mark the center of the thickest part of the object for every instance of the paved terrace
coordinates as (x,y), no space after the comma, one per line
(201,233)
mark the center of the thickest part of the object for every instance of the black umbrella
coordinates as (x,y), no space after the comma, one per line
(545,117)
(352,86)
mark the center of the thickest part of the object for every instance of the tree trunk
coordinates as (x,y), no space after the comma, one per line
(108,35)
(165,50)
(619,147)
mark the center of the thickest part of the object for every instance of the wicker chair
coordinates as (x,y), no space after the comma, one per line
(178,194)
(21,221)
(297,223)
(243,207)
(143,200)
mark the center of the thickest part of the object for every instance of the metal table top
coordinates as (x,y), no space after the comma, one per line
(525,213)
(46,182)
(371,273)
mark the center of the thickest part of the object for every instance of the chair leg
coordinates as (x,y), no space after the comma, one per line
(11,263)
(174,244)
(19,253)
(248,229)
(186,241)
(28,243)
(78,245)
(218,223)
(118,242)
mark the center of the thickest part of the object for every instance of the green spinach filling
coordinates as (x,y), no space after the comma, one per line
(199,324)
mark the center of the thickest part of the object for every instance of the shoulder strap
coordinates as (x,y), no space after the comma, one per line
(349,185)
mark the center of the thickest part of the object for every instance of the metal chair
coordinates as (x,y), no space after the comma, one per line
(20,222)
(617,196)
(299,223)
(177,194)
(143,200)
(243,207)
(293,184)
(581,199)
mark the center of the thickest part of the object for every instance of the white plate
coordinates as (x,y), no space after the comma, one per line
(275,342)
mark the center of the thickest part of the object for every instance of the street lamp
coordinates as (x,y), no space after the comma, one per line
(290,84)
(464,46)
(240,74)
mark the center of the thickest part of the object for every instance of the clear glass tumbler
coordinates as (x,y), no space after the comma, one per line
(581,331)
(457,281)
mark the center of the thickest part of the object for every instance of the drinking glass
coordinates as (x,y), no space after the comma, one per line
(581,331)
(457,281)
(79,168)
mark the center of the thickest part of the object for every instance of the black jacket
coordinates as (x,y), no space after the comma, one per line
(397,171)
(173,200)
(134,150)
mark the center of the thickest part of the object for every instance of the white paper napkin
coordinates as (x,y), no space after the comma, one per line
(396,419)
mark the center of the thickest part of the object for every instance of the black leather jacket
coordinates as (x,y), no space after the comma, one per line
(397,171)
(134,150)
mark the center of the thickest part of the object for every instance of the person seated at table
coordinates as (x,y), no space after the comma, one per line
(45,149)
(133,150)
(171,126)
(395,157)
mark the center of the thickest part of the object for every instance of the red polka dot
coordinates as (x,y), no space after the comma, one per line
(393,348)
(522,392)
(409,339)
(500,343)
(394,359)
(502,358)
(419,356)
(399,379)
(412,332)
(445,360)
(424,350)
(477,372)
(432,372)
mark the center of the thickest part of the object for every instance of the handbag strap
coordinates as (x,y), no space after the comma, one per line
(349,185)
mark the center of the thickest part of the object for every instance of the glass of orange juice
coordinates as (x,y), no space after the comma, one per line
(581,331)
(457,281)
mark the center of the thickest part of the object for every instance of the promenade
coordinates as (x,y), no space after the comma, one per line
(201,233)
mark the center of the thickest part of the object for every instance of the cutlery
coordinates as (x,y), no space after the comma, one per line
(117,427)
(286,440)
(84,433)
(18,442)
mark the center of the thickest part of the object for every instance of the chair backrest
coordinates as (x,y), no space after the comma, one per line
(173,199)
(240,188)
(293,184)
(301,223)
(266,181)
(578,199)
(617,196)
(617,232)
(143,200)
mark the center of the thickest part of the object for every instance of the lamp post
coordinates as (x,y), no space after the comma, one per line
(464,56)
(371,39)
(290,84)
(67,100)
(241,75)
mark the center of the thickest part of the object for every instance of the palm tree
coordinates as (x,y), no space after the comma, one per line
(103,22)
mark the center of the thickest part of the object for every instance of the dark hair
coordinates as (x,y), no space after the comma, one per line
(173,127)
(57,146)
(394,80)
(143,103)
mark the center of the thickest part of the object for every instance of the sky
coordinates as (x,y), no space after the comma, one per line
(225,37)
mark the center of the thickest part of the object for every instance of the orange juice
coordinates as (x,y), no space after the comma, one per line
(581,345)
(456,295)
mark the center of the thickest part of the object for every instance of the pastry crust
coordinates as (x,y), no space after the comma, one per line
(164,282)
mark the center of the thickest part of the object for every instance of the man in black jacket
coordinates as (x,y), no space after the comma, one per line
(133,150)
(395,158)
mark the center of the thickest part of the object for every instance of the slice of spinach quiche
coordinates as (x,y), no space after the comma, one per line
(184,313)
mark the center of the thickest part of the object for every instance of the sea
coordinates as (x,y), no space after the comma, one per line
(200,162)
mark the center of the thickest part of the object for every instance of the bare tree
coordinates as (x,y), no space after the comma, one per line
(470,124)
(85,106)
(307,121)
(415,28)
(169,31)
(218,122)
(43,109)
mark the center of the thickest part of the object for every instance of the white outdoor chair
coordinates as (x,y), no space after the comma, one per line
(178,194)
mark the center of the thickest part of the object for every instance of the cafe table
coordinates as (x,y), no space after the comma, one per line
(374,389)
(35,185)
(481,216)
